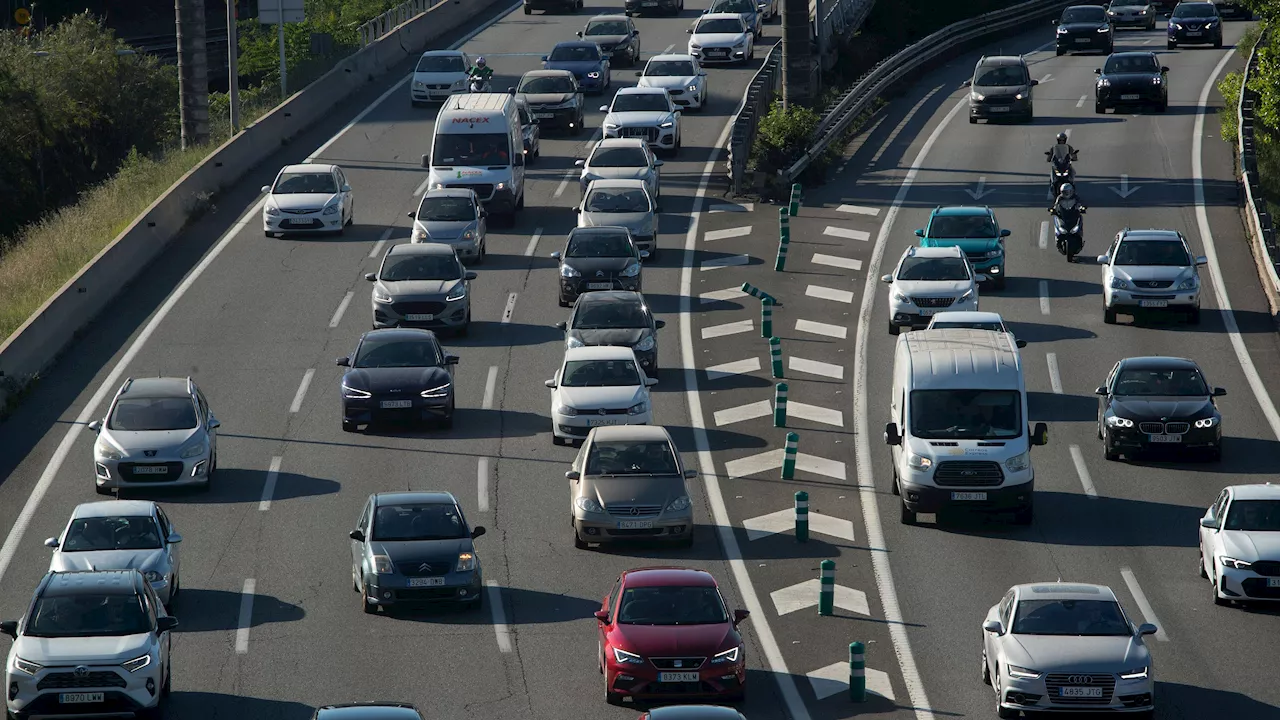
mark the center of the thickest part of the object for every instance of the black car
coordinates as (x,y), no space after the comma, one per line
(1152,403)
(368,711)
(653,7)
(616,35)
(1194,23)
(1085,27)
(549,5)
(553,98)
(1233,9)
(598,258)
(1131,78)
(397,374)
(615,317)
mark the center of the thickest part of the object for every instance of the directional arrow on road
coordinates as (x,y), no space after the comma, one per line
(1046,78)
(1124,191)
(981,191)
(784,520)
(805,595)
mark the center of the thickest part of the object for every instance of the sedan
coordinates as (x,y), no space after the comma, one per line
(1240,544)
(1084,27)
(666,631)
(588,63)
(1150,270)
(307,199)
(422,285)
(1066,647)
(653,7)
(1154,403)
(1132,13)
(693,712)
(121,535)
(616,35)
(439,74)
(397,374)
(1194,23)
(368,711)
(622,203)
(615,317)
(748,10)
(1131,78)
(554,98)
(621,159)
(722,37)
(454,217)
(680,75)
(415,548)
(597,386)
(646,113)
(598,258)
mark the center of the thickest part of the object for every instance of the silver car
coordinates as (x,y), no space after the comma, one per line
(1150,270)
(157,432)
(1066,647)
(422,285)
(722,37)
(646,113)
(621,159)
(121,535)
(1132,13)
(308,199)
(622,203)
(455,217)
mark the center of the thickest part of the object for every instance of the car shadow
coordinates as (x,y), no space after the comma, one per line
(1029,287)
(1240,456)
(200,610)
(1044,332)
(238,485)
(492,333)
(1055,407)
(736,382)
(184,705)
(470,423)
(718,439)
(1191,701)
(520,606)
(1211,321)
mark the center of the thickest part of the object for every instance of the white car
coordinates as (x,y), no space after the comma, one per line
(927,281)
(1240,544)
(621,159)
(646,113)
(721,37)
(1150,269)
(595,386)
(307,199)
(680,75)
(439,74)
(121,535)
(956,320)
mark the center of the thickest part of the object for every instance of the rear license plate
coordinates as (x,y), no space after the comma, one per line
(638,525)
(419,317)
(1080,692)
(544,116)
(395,404)
(426,582)
(1273,582)
(1193,33)
(1082,40)
(598,422)
(678,677)
(1153,303)
(968,496)
(1164,438)
(80,698)
(998,109)
(150,470)
(599,286)
(1130,97)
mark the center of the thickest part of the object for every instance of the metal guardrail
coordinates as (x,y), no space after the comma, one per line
(1258,220)
(165,47)
(902,64)
(841,17)
(764,86)
(387,21)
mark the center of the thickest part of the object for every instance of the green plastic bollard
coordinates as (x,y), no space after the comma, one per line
(789,457)
(827,588)
(775,356)
(780,406)
(857,672)
(802,516)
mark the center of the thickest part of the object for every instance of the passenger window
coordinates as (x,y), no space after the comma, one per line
(614,594)
(1006,609)
(164,525)
(364,517)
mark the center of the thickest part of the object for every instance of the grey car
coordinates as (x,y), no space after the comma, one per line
(615,317)
(616,35)
(598,258)
(452,216)
(554,99)
(158,432)
(121,535)
(422,285)
(530,131)
(1001,88)
(622,203)
(415,548)
(628,483)
(621,159)
(368,711)
(1132,13)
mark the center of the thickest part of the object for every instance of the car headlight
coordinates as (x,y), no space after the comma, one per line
(625,658)
(692,88)
(638,409)
(1143,11)
(458,292)
(420,235)
(567,410)
(1210,24)
(995,253)
(680,503)
(1112,13)
(1115,421)
(466,562)
(438,186)
(899,297)
(271,210)
(1021,673)
(355,393)
(1018,463)
(968,295)
(569,271)
(1156,81)
(1134,674)
(419,84)
(381,297)
(667,124)
(382,564)
(918,462)
(564,105)
(438,391)
(26,666)
(611,126)
(1103,82)
(646,344)
(1207,422)
(740,44)
(106,451)
(728,656)
(152,576)
(1236,564)
(632,270)
(1119,284)
(593,75)
(193,450)
(1104,29)
(330,210)
(469,235)
(1189,284)
(1175,26)
(694,46)
(572,342)
(1062,30)
(586,504)
(977,96)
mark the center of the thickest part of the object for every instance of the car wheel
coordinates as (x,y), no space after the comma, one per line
(1163,106)
(369,608)
(986,669)
(1217,44)
(1099,108)
(907,516)
(447,421)
(348,426)
(973,120)
(1108,315)
(998,283)
(1004,712)
(1108,450)
(1172,45)
(1058,51)
(173,592)
(355,579)
(1217,599)
(556,439)
(894,483)
(686,542)
(612,698)
(1203,573)
(653,253)
(894,329)
(563,302)
(578,542)
(102,490)
(528,10)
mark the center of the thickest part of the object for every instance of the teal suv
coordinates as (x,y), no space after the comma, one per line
(975,231)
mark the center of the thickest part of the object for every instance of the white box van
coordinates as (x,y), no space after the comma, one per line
(479,144)
(958,429)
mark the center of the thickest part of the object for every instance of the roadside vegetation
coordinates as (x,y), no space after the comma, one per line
(1266,82)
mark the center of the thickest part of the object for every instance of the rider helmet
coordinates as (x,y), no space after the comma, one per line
(1068,190)
(1062,136)
(480,63)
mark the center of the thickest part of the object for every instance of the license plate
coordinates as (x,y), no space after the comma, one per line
(1082,40)
(926,312)
(80,698)
(649,4)
(638,525)
(150,470)
(1130,97)
(1273,582)
(599,286)
(598,422)
(544,116)
(1193,33)
(1153,303)
(968,496)
(393,404)
(426,582)
(678,677)
(1080,692)
(998,109)
(714,53)
(419,317)
(1164,438)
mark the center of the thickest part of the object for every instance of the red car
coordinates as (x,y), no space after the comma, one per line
(665,632)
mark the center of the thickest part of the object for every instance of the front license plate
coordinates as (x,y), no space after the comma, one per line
(998,109)
(599,286)
(717,53)
(1082,692)
(1130,97)
(649,4)
(1273,582)
(418,317)
(1082,40)
(1153,303)
(426,582)
(544,116)
(395,404)
(1193,33)
(1164,438)
(678,677)
(150,470)
(638,525)
(926,312)
(80,698)
(598,422)
(968,496)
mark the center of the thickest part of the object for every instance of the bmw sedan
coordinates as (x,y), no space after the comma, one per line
(1240,544)
(598,258)
(422,285)
(397,375)
(653,7)
(722,37)
(615,317)
(1129,79)
(588,63)
(622,203)
(121,535)
(616,35)
(621,159)
(554,99)
(307,199)
(1194,23)
(1084,27)
(680,75)
(646,113)
(1158,403)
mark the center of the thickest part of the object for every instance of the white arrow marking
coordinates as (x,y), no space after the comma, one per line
(1046,78)
(1124,190)
(805,595)
(981,191)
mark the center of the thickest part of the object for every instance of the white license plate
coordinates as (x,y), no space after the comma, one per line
(150,470)
(1080,692)
(80,698)
(426,582)
(713,53)
(968,496)
(1273,582)
(1165,438)
(926,312)
(544,116)
(1130,97)
(599,286)
(1082,40)
(1193,33)
(649,4)
(394,404)
(419,317)
(678,677)
(598,422)
(638,525)
(1153,303)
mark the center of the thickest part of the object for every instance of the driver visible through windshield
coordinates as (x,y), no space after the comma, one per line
(137,414)
(305,183)
(88,616)
(617,201)
(406,523)
(609,316)
(478,149)
(640,102)
(669,68)
(446,209)
(619,157)
(671,606)
(600,246)
(599,373)
(631,458)
(1007,76)
(379,353)
(962,227)
(112,533)
(546,86)
(441,64)
(574,53)
(1152,252)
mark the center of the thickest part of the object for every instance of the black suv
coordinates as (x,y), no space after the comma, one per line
(368,711)
(1085,27)
(1001,88)
(1194,23)
(1132,78)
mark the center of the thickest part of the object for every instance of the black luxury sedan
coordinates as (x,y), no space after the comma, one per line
(1194,23)
(1158,403)
(599,258)
(397,374)
(1131,78)
(1085,27)
(615,317)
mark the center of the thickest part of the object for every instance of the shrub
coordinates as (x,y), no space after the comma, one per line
(782,136)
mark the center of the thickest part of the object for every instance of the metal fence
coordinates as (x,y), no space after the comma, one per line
(764,87)
(1258,220)
(387,21)
(840,17)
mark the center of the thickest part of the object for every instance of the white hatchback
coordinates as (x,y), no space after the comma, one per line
(928,281)
(439,74)
(307,199)
(597,386)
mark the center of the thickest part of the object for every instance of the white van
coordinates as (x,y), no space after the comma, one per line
(958,430)
(479,144)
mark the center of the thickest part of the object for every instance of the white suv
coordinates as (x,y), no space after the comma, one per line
(928,281)
(1150,269)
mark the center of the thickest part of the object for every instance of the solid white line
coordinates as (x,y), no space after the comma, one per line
(296,405)
(377,247)
(818,328)
(1077,457)
(859,210)
(356,120)
(1044,235)
(269,487)
(509,309)
(826,293)
(533,243)
(342,307)
(246,616)
(500,628)
(1044,297)
(846,233)
(1055,379)
(565,182)
(837,261)
(728,233)
(893,136)
(732,328)
(1080,102)
(1147,41)
(1148,613)
(815,367)
(490,385)
(418,192)
(482,484)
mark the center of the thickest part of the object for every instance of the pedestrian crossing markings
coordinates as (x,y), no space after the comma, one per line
(818,328)
(834,679)
(732,293)
(812,367)
(826,293)
(859,210)
(847,233)
(737,367)
(785,521)
(836,261)
(751,411)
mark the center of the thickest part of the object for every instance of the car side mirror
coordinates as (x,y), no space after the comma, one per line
(604,108)
(346,188)
(411,215)
(1097,71)
(1164,69)
(639,73)
(659,324)
(659,163)
(688,474)
(511,91)
(343,361)
(920,232)
(1020,343)
(426,161)
(51,543)
(980,278)
(739,615)
(477,531)
(602,616)
(891,434)
(95,426)
(579,163)
(371,276)
(550,383)
(544,58)
(577,210)
(635,33)
(702,73)
(562,326)
(174,538)
(1055,21)
(214,423)
(484,213)
(887,279)
(1147,629)
(10,628)
(1100,391)
(1209,523)
(967,83)
(1168,15)
(556,255)
(1006,233)
(1219,392)
(265,189)
(993,626)
(1202,260)
(166,623)
(644,254)
(573,475)
(450,359)
(1104,259)
(470,275)
(1033,83)
(650,382)
(579,34)
(1040,435)
(689,31)
(357,535)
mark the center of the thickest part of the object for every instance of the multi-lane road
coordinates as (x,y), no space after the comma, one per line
(270,627)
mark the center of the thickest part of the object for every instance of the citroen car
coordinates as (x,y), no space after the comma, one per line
(307,199)
(439,74)
(644,112)
(422,285)
(616,35)
(1131,79)
(1001,88)
(622,203)
(585,59)
(621,159)
(453,217)
(1158,403)
(1085,27)
(1150,270)
(121,535)
(1194,23)
(722,37)
(615,317)
(415,548)
(975,231)
(397,374)
(385,710)
(1132,13)
(598,258)
(158,432)
(554,98)
(927,281)
(680,75)
(748,10)
(1240,544)
(598,386)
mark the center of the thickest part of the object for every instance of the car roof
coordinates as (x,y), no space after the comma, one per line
(86,582)
(974,316)
(611,296)
(369,711)
(600,352)
(308,168)
(1002,60)
(401,334)
(443,53)
(1159,362)
(1255,491)
(1064,591)
(961,210)
(619,182)
(599,230)
(1085,7)
(1132,53)
(1184,4)
(1151,234)
(613,16)
(619,142)
(440,497)
(156,387)
(114,508)
(630,433)
(694,712)
(667,576)
(546,73)
(422,249)
(933,252)
(443,192)
(673,56)
(643,90)
(720,16)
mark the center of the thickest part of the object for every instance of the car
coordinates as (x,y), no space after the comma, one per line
(92,642)
(653,7)
(644,112)
(748,10)
(621,159)
(1150,270)
(1132,13)
(1131,79)
(598,258)
(1064,647)
(1151,403)
(368,711)
(397,374)
(680,75)
(615,317)
(1194,23)
(554,99)
(453,217)
(1084,27)
(622,203)
(1001,87)
(422,285)
(768,10)
(627,483)
(584,58)
(310,198)
(666,631)
(722,37)
(974,230)
(1234,9)
(972,321)
(415,548)
(616,35)
(595,387)
(549,5)
(157,432)
(692,712)
(121,535)
(927,281)
(439,74)
(1240,544)
(530,131)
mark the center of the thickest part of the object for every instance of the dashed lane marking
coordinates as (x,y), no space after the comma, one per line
(818,328)
(751,411)
(342,308)
(732,293)
(834,679)
(382,241)
(482,484)
(729,369)
(1055,379)
(1044,297)
(727,233)
(804,595)
(724,262)
(269,487)
(733,328)
(425,181)
(1082,470)
(490,388)
(246,616)
(785,521)
(836,261)
(1144,605)
(1044,235)
(847,233)
(301,394)
(859,210)
(500,628)
(826,293)
(817,414)
(1080,102)
(814,367)
(772,460)
(565,182)
(532,247)
(510,309)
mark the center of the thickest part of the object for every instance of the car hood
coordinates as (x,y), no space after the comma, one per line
(667,82)
(1152,272)
(993,90)
(932,287)
(718,39)
(108,650)
(439,78)
(1070,653)
(1081,27)
(407,289)
(443,230)
(589,266)
(623,396)
(1251,546)
(637,223)
(386,379)
(624,337)
(136,441)
(143,560)
(617,173)
(541,99)
(639,118)
(421,550)
(675,640)
(637,490)
(966,244)
(303,201)
(577,67)
(1154,408)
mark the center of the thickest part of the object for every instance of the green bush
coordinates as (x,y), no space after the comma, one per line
(782,136)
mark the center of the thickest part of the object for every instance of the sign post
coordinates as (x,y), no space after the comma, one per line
(278,13)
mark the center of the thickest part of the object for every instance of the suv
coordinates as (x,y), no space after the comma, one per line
(1000,88)
(1085,27)
(1150,269)
(928,280)
(975,231)
(158,431)
(92,642)
(1194,23)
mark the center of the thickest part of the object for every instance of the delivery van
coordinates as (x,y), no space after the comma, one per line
(478,144)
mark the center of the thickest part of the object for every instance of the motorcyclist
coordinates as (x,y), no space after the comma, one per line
(480,73)
(1061,155)
(1067,205)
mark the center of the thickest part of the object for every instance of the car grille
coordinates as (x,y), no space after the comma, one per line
(1193,26)
(933,302)
(300,212)
(1054,682)
(685,663)
(69,680)
(633,510)
(444,86)
(977,255)
(173,470)
(649,134)
(482,190)
(969,473)
(1257,588)
(998,100)
(1266,568)
(1155,428)
(1154,297)
(603,411)
(418,308)
(422,569)
(675,91)
(1152,284)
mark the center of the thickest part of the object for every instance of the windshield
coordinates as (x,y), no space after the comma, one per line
(300,183)
(730,26)
(111,533)
(600,245)
(944,268)
(424,521)
(1002,76)
(733,6)
(963,226)
(574,53)
(953,325)
(671,606)
(377,352)
(1254,516)
(1198,10)
(1084,15)
(441,64)
(599,373)
(609,315)
(446,209)
(88,616)
(1129,3)
(143,413)
(966,414)
(1187,383)
(632,458)
(641,102)
(618,200)
(1152,252)
(607,27)
(669,68)
(547,86)
(420,267)
(619,157)
(1070,617)
(478,149)
(1131,64)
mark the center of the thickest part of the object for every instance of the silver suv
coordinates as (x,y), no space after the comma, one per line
(158,431)
(1150,270)
(91,643)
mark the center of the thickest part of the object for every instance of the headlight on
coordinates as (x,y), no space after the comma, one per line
(692,88)
(469,235)
(466,562)
(1119,284)
(1018,463)
(632,270)
(26,666)
(1104,29)
(593,75)
(646,344)
(137,663)
(569,271)
(105,451)
(420,235)
(1103,82)
(354,393)
(1189,284)
(1143,11)
(1019,96)
(968,295)
(439,186)
(693,46)
(1134,674)
(152,576)
(1175,26)
(1119,422)
(330,210)
(586,504)
(667,124)
(1155,81)
(918,462)
(977,96)
(1207,422)
(1062,30)
(440,391)
(381,297)
(638,409)
(679,504)
(567,410)
(1236,564)
(458,292)
(1021,673)
(382,564)
(500,186)
(625,658)
(728,656)
(611,126)
(191,451)
(572,342)
(271,210)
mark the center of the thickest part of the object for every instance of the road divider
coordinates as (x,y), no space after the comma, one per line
(797,196)
(857,672)
(802,516)
(754,292)
(780,407)
(827,588)
(766,317)
(775,356)
(789,454)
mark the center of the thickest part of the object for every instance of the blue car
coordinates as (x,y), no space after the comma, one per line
(588,63)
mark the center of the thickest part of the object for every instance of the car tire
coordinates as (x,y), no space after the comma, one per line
(556,440)
(348,426)
(1172,45)
(1099,108)
(1004,712)
(906,515)
(1204,574)
(894,329)
(653,254)
(369,608)
(1108,315)
(1214,454)
(528,10)
(897,491)
(986,669)
(563,302)
(102,490)
(1058,51)
(685,543)
(612,698)
(1217,599)
(973,120)
(1217,44)
(167,688)
(1108,450)
(578,542)
(1163,106)
(447,421)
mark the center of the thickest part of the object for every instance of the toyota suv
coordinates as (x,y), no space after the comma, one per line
(1150,270)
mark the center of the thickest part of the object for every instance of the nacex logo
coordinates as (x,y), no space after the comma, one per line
(471,121)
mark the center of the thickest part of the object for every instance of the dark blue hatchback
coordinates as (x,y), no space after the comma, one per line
(588,63)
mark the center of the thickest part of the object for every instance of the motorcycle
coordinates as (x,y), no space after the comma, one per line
(478,85)
(1062,172)
(1070,238)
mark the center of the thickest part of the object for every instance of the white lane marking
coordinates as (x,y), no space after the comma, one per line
(729,369)
(847,233)
(1147,41)
(826,416)
(482,484)
(1148,612)
(269,487)
(342,307)
(1086,481)
(490,385)
(377,247)
(859,210)
(510,309)
(500,628)
(1080,102)
(246,616)
(418,193)
(731,207)
(296,405)
(772,460)
(724,262)
(826,293)
(837,261)
(532,247)
(1047,78)
(732,328)
(1055,379)
(732,293)
(727,233)
(669,47)
(815,367)
(1044,297)
(565,182)
(817,328)
(1068,132)
(1215,271)
(750,411)
(906,119)
(1044,235)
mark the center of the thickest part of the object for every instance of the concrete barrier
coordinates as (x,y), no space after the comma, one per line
(51,328)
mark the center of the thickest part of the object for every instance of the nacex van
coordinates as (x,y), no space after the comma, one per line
(479,144)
